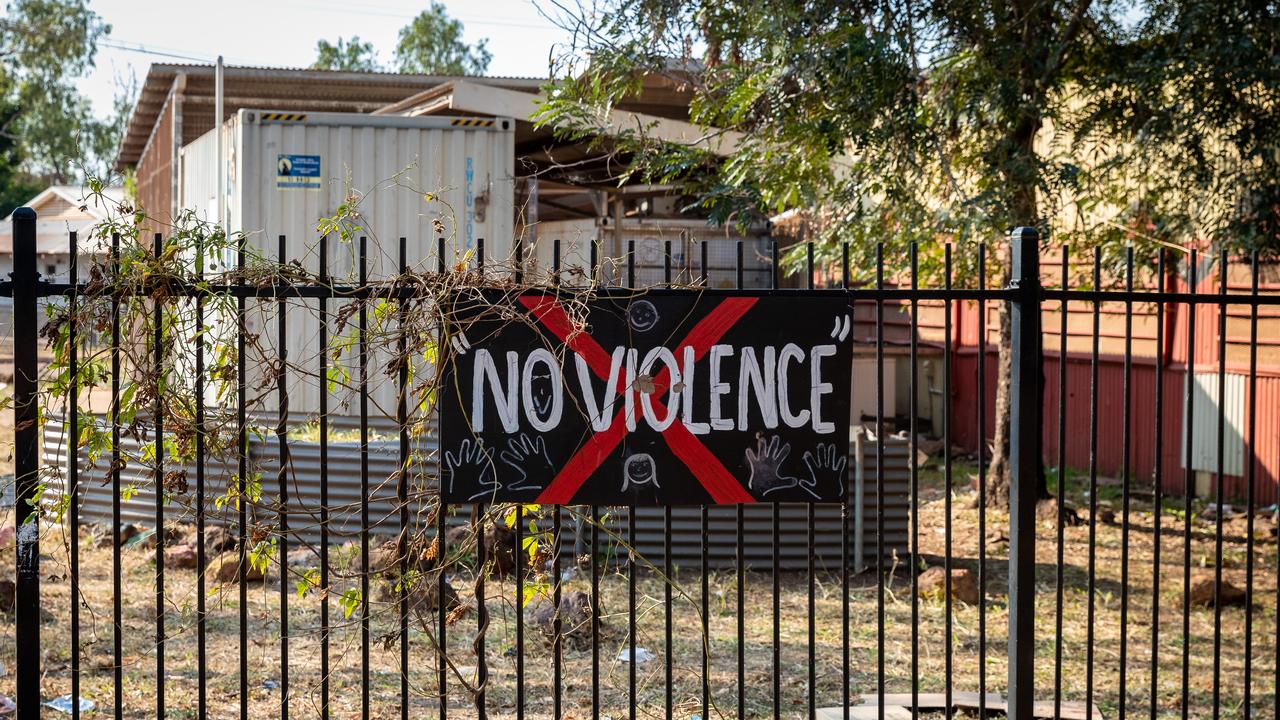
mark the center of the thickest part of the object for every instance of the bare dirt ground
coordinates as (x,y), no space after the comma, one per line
(263,657)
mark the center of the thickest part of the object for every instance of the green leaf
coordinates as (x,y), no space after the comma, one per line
(533,590)
(337,377)
(350,601)
(261,554)
(309,581)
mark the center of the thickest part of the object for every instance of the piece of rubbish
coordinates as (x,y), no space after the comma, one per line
(642,655)
(138,539)
(63,704)
(1213,509)
(270,684)
(7,705)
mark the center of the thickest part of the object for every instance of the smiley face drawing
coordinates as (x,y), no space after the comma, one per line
(638,470)
(542,388)
(642,316)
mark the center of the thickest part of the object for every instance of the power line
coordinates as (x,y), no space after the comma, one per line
(102,41)
(144,50)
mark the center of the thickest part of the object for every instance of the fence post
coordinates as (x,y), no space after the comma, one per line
(26,459)
(1024,456)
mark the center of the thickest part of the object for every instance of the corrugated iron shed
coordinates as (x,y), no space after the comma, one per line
(345,493)
(275,89)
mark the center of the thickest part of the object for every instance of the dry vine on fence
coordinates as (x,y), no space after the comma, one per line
(203,364)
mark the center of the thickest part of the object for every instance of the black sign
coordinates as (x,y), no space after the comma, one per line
(665,397)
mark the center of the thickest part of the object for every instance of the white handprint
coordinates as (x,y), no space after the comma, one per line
(766,466)
(826,467)
(471,467)
(527,457)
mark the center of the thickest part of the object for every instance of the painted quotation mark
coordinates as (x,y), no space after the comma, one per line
(460,343)
(841,329)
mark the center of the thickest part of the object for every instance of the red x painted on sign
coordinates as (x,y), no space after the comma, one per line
(723,487)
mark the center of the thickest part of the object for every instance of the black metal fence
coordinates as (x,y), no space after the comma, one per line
(450,634)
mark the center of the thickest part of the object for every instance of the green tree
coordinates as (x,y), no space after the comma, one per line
(1193,108)
(16,187)
(353,54)
(917,121)
(47,44)
(432,44)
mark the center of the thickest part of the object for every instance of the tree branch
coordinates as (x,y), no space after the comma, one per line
(1067,37)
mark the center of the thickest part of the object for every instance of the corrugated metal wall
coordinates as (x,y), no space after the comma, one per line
(198,173)
(408,173)
(155,170)
(417,178)
(1264,455)
(1209,404)
(343,475)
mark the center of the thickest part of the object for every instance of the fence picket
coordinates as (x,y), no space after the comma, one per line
(773,665)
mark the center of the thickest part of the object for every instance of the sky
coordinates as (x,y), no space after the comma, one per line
(283,33)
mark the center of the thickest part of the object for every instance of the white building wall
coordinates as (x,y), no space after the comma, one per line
(417,178)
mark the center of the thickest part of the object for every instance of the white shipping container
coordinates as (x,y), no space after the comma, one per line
(390,163)
(418,178)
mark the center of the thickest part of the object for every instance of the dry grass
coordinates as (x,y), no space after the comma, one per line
(263,634)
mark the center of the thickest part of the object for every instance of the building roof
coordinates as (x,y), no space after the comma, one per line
(661,95)
(471,98)
(539,145)
(59,209)
(571,171)
(272,89)
(77,197)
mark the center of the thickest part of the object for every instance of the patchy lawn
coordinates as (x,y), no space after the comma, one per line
(263,631)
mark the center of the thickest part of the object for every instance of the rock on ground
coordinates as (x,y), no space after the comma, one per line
(1202,591)
(1047,511)
(964,584)
(218,539)
(225,569)
(180,556)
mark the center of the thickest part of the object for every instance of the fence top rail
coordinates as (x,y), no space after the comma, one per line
(392,289)
(1136,296)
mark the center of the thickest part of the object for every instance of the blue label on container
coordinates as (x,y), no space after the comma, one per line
(297,172)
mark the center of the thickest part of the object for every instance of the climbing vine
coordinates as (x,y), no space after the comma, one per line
(178,328)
